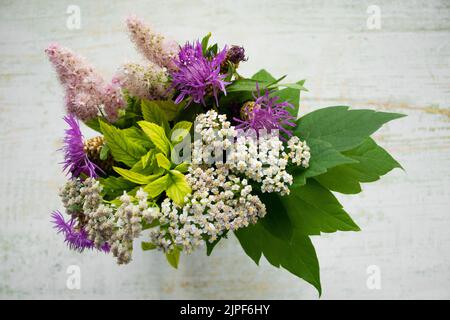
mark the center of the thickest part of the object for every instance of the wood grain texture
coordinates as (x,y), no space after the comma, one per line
(405,217)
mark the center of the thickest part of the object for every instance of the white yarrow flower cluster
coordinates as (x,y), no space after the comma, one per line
(298,152)
(71,197)
(219,202)
(128,217)
(259,160)
(262,159)
(105,224)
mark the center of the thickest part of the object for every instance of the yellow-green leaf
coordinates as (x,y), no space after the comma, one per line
(179,131)
(170,108)
(157,135)
(163,162)
(153,113)
(182,167)
(136,177)
(147,246)
(122,147)
(156,187)
(178,187)
(173,257)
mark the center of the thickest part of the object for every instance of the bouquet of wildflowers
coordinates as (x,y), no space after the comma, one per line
(189,151)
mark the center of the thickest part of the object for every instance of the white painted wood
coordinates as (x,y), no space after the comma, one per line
(404,67)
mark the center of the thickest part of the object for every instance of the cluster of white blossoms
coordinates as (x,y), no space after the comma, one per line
(213,135)
(128,217)
(219,202)
(105,224)
(261,157)
(298,152)
(71,197)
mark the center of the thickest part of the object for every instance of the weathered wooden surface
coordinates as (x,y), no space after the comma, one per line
(404,67)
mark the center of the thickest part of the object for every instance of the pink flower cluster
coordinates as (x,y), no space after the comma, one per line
(151,45)
(86,91)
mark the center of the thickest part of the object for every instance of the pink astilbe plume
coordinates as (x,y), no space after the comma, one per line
(149,82)
(113,100)
(86,90)
(153,46)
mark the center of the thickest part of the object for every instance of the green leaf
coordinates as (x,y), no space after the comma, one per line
(264,76)
(173,257)
(373,162)
(147,246)
(104,151)
(344,129)
(292,96)
(211,245)
(94,124)
(204,42)
(170,109)
(138,137)
(156,135)
(136,177)
(323,157)
(153,113)
(182,167)
(314,209)
(297,255)
(247,85)
(178,187)
(162,161)
(277,220)
(148,158)
(122,148)
(179,131)
(158,186)
(115,186)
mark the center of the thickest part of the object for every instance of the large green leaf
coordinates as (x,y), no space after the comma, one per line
(344,129)
(137,177)
(178,187)
(313,209)
(323,157)
(292,96)
(121,146)
(264,76)
(373,162)
(153,113)
(156,187)
(297,255)
(115,186)
(138,137)
(179,131)
(277,220)
(162,161)
(157,135)
(170,109)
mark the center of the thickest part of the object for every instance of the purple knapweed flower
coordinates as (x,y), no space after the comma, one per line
(197,75)
(267,112)
(236,54)
(76,160)
(76,238)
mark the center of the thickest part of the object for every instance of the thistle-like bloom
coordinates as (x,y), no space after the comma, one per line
(147,82)
(197,75)
(266,112)
(76,160)
(76,238)
(86,90)
(236,54)
(151,45)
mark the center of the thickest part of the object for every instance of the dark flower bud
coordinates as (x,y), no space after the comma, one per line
(236,54)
